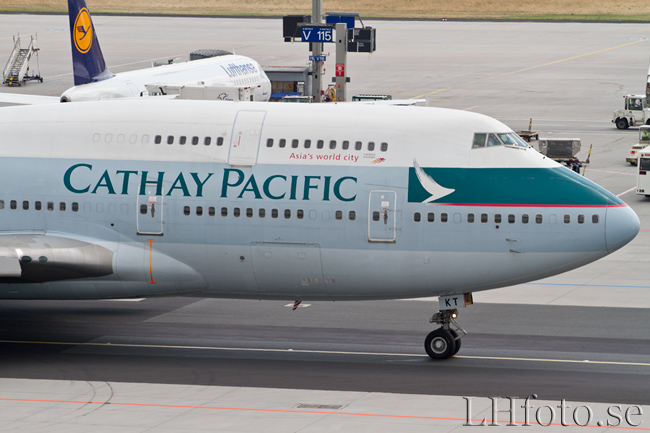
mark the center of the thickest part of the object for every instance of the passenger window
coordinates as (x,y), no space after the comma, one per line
(375,216)
(511,219)
(37,205)
(352,215)
(307,144)
(50,205)
(25,205)
(493,140)
(274,213)
(199,210)
(539,219)
(345,145)
(207,141)
(443,217)
(524,219)
(182,140)
(479,140)
(431,217)
(384,146)
(170,139)
(143,209)
(262,213)
(332,144)
(75,206)
(417,217)
(371,145)
(195,141)
(470,218)
(300,214)
(224,211)
(295,143)
(145,139)
(497,218)
(236,212)
(484,218)
(594,219)
(320,144)
(287,213)
(13,204)
(567,219)
(283,142)
(269,142)
(186,209)
(212,211)
(2,204)
(158,139)
(62,206)
(358,145)
(219,141)
(581,219)
(249,212)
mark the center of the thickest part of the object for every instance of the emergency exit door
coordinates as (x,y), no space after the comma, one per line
(381,216)
(245,138)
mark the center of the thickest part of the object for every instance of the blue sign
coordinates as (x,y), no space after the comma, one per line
(317,58)
(317,34)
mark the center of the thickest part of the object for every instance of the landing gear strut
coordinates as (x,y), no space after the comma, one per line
(444,342)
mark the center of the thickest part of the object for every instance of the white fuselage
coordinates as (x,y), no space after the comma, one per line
(221,71)
(284,201)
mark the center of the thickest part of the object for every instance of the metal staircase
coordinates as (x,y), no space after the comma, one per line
(16,72)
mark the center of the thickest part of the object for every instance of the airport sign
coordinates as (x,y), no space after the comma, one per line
(317,34)
(317,58)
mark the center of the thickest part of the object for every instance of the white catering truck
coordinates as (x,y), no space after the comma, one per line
(643,173)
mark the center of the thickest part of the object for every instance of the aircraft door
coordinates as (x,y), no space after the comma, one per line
(381,216)
(245,137)
(150,214)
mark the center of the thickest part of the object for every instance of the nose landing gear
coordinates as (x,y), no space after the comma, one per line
(445,341)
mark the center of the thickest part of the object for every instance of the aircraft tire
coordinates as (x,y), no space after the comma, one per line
(621,123)
(440,344)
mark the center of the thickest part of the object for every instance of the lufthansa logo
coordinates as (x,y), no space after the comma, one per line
(83,31)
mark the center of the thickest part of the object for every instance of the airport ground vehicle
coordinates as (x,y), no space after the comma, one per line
(643,173)
(562,150)
(644,141)
(634,113)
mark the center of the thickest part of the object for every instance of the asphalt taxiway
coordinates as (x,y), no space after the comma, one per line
(580,336)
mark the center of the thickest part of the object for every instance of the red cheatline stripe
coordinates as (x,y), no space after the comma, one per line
(591,206)
(312,412)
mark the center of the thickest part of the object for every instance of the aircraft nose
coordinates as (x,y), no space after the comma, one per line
(621,226)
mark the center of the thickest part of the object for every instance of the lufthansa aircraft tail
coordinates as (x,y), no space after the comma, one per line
(87,60)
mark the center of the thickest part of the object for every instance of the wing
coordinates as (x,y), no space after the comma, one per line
(16,98)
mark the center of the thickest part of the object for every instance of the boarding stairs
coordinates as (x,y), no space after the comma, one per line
(16,72)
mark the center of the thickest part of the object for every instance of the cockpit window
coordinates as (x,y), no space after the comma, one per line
(479,140)
(493,140)
(506,139)
(518,141)
(483,139)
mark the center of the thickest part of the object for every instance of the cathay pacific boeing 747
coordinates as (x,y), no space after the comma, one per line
(119,199)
